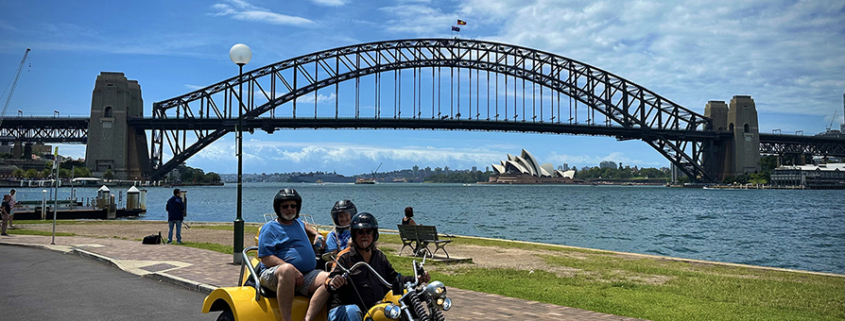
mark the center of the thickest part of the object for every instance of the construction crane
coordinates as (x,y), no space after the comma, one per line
(831,120)
(376,170)
(14,84)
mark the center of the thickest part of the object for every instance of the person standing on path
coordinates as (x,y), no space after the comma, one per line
(4,212)
(12,204)
(175,215)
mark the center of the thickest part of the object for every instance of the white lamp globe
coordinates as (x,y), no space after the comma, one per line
(240,54)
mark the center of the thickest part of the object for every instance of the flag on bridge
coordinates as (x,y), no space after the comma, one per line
(455,28)
(461,22)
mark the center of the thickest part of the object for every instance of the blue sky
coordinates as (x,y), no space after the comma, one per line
(788,55)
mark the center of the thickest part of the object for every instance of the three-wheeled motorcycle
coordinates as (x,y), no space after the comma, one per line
(250,301)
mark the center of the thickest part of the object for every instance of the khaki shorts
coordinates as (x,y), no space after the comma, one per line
(268,280)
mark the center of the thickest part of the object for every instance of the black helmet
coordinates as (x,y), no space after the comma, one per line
(287,194)
(364,220)
(343,206)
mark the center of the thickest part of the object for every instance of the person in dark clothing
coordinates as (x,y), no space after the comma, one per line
(361,290)
(175,215)
(409,214)
(5,209)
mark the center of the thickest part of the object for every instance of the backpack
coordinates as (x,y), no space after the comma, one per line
(152,239)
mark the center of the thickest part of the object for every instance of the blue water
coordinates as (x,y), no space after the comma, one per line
(795,229)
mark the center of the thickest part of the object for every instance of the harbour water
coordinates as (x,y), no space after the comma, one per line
(795,229)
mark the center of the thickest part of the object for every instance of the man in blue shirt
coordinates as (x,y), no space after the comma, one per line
(287,258)
(175,215)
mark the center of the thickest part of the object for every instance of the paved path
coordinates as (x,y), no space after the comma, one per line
(204,270)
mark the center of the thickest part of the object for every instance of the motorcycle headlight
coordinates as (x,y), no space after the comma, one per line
(436,289)
(444,303)
(391,311)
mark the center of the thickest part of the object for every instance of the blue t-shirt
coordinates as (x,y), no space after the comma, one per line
(332,240)
(288,242)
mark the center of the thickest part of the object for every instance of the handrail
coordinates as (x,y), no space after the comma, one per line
(245,262)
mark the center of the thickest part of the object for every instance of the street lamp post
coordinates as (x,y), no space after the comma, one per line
(240,55)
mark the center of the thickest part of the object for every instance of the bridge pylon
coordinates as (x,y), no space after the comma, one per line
(112,143)
(740,154)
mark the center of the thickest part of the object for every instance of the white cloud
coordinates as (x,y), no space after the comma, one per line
(266,156)
(330,3)
(418,19)
(242,10)
(783,53)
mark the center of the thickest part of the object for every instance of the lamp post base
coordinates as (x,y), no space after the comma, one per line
(239,241)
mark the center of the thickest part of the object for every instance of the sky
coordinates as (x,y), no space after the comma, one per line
(788,55)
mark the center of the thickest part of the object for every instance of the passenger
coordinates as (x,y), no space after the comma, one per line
(287,258)
(353,297)
(338,238)
(409,213)
(4,212)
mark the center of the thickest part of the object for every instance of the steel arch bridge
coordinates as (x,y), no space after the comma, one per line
(392,79)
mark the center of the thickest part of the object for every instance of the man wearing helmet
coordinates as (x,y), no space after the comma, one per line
(338,238)
(353,297)
(287,259)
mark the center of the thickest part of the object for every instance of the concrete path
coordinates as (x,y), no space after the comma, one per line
(204,270)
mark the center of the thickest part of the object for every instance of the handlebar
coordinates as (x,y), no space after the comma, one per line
(417,270)
(356,265)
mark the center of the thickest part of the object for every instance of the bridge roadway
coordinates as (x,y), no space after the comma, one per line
(75,130)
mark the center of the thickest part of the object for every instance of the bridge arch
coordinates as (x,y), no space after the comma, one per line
(630,111)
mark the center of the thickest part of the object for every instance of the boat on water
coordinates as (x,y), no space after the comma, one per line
(365,181)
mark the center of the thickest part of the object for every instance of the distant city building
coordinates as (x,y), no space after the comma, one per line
(607,164)
(474,169)
(822,176)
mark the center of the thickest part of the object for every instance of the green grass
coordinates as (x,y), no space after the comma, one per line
(678,290)
(209,246)
(247,228)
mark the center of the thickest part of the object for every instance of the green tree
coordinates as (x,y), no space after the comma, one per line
(31,173)
(108,175)
(64,173)
(758,179)
(18,173)
(81,172)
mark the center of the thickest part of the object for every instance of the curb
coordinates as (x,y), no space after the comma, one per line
(181,282)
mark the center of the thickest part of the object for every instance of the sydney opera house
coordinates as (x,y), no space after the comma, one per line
(525,169)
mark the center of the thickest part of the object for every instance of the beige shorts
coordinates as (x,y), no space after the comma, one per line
(268,280)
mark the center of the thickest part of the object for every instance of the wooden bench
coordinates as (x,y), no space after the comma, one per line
(428,235)
(408,234)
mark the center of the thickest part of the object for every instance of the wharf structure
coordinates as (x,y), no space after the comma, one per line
(525,169)
(821,176)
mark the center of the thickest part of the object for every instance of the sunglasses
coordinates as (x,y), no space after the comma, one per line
(362,232)
(287,206)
